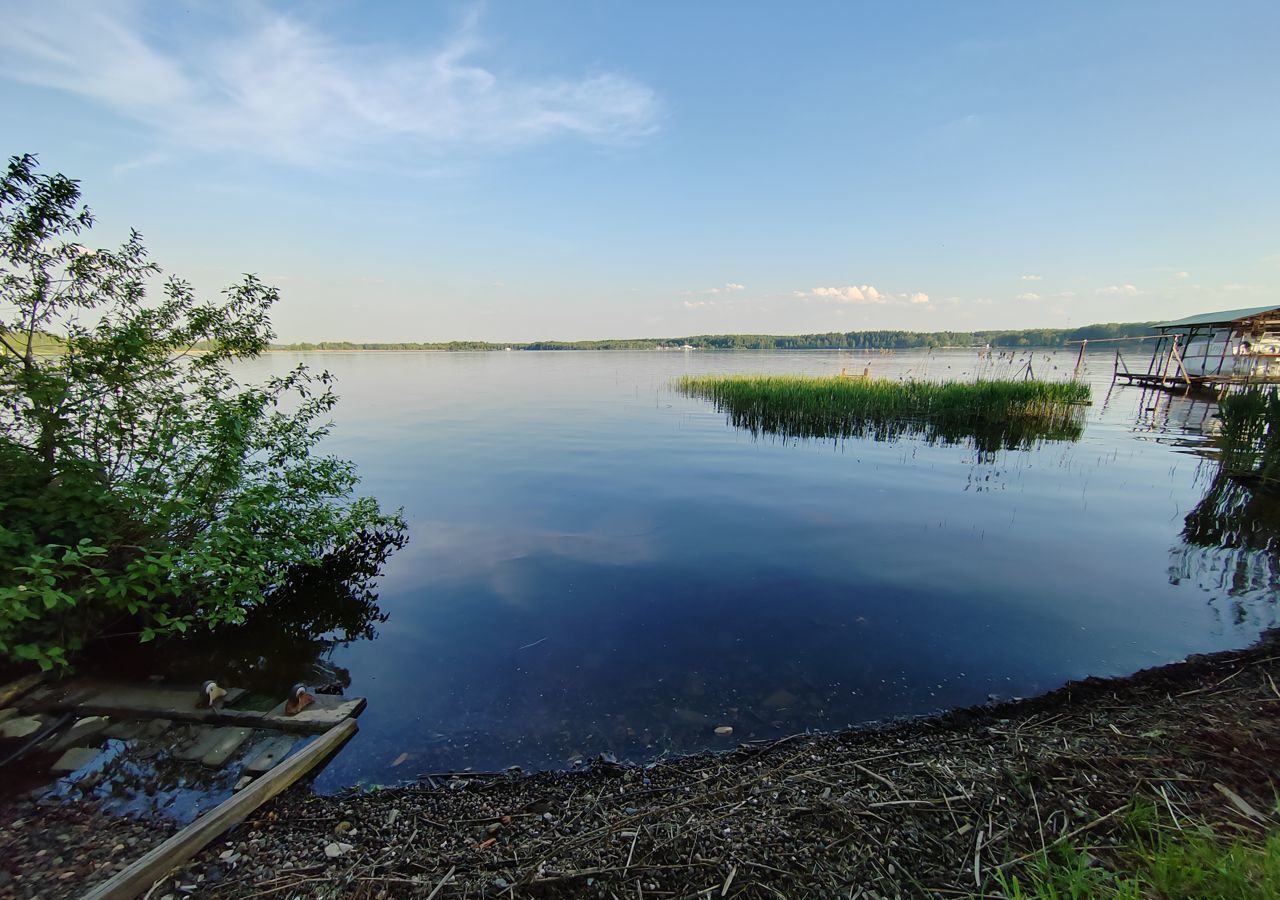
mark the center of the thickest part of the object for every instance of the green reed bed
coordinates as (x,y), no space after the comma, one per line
(991,414)
(1251,434)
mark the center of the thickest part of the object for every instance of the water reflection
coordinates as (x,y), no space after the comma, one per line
(600,564)
(289,637)
(987,440)
(1231,538)
(1232,535)
(1019,430)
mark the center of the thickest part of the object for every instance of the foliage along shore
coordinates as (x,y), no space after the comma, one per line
(851,340)
(148,493)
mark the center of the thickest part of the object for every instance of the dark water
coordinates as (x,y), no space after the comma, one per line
(598,564)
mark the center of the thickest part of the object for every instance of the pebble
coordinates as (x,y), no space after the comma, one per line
(335,849)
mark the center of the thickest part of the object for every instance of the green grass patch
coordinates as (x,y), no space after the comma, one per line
(992,414)
(1153,860)
(41,344)
(1172,867)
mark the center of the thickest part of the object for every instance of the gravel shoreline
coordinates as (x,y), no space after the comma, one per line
(934,807)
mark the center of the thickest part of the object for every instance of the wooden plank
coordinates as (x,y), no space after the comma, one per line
(291,724)
(150,700)
(326,710)
(201,741)
(132,701)
(269,754)
(229,742)
(15,689)
(156,865)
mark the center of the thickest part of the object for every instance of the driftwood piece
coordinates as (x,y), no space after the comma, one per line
(15,689)
(156,865)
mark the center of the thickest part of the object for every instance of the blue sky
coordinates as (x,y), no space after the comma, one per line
(538,169)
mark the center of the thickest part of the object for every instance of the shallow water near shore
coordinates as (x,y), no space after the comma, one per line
(598,564)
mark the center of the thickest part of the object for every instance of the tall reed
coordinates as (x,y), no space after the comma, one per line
(1250,438)
(992,414)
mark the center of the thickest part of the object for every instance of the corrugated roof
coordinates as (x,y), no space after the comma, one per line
(1222,317)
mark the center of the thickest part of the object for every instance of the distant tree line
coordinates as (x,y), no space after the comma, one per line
(852,340)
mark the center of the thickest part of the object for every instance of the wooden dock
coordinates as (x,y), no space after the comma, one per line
(97,711)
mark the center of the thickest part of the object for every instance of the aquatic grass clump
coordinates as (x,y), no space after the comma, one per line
(992,414)
(1251,434)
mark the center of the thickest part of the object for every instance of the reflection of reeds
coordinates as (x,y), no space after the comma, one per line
(1232,535)
(1251,434)
(1231,540)
(992,415)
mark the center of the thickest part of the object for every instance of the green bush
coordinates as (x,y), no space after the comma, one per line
(143,488)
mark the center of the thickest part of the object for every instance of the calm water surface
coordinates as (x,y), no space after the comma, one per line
(598,564)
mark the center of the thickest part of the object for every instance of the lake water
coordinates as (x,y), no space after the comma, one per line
(598,564)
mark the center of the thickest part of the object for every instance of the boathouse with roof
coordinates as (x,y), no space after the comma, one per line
(1213,350)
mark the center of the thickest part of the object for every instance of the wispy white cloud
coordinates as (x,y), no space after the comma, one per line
(730,287)
(1235,287)
(1119,290)
(856,294)
(275,86)
(1182,275)
(1033,278)
(1029,295)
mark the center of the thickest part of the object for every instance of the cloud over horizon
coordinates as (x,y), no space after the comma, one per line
(857,294)
(1119,290)
(729,287)
(275,86)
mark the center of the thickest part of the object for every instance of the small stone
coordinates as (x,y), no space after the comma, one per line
(335,849)
(82,730)
(342,827)
(500,883)
(75,758)
(724,730)
(20,726)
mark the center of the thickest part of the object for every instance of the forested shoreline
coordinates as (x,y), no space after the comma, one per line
(851,340)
